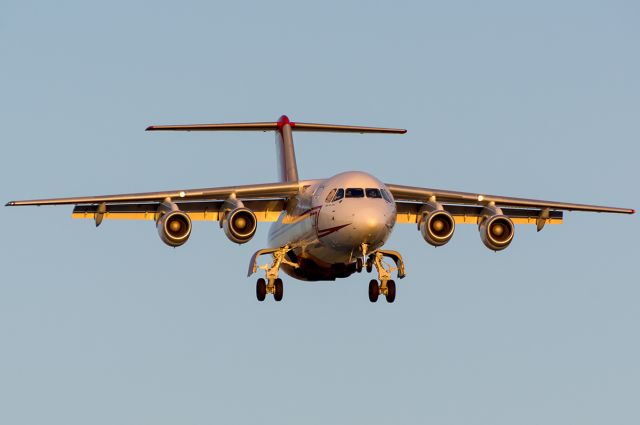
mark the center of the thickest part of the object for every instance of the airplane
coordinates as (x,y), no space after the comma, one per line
(322,229)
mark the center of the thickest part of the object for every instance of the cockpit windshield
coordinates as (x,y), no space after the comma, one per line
(386,196)
(330,196)
(373,193)
(354,193)
(335,195)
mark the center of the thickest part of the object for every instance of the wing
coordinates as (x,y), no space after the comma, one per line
(265,200)
(467,207)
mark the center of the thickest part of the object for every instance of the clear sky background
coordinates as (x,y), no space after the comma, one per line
(110,326)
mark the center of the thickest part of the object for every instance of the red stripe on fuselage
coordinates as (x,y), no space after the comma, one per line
(310,211)
(326,232)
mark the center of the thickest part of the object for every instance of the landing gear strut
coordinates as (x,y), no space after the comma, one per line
(272,284)
(387,286)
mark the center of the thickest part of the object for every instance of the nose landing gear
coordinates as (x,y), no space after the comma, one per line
(272,284)
(387,286)
(359,264)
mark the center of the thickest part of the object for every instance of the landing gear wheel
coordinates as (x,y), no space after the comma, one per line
(279,290)
(374,290)
(391,291)
(359,265)
(369,265)
(261,289)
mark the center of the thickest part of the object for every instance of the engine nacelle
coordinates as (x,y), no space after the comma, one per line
(174,227)
(240,225)
(496,231)
(437,227)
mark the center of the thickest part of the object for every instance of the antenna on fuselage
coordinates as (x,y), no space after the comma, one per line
(284,128)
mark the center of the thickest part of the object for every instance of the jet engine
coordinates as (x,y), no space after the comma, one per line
(496,231)
(240,225)
(437,227)
(174,227)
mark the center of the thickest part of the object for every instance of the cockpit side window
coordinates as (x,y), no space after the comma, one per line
(354,192)
(373,193)
(330,195)
(339,195)
(386,196)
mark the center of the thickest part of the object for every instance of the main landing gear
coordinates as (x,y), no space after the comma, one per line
(272,284)
(387,286)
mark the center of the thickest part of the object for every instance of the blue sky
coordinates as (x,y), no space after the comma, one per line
(523,99)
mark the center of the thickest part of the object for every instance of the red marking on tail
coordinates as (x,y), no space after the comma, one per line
(285,120)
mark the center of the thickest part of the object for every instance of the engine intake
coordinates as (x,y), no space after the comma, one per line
(496,232)
(174,228)
(437,227)
(240,225)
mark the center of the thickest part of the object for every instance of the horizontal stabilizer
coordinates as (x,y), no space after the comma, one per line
(273,126)
(248,126)
(283,129)
(333,128)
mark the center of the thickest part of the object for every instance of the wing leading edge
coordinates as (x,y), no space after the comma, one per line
(257,191)
(420,195)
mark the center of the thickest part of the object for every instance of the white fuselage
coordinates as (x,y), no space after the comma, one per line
(332,222)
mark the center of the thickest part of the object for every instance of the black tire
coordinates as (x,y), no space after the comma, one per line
(374,290)
(261,289)
(359,265)
(277,295)
(369,265)
(391,291)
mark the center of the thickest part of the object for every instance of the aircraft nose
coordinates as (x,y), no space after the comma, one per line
(370,226)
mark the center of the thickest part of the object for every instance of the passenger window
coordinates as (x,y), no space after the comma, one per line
(339,195)
(373,193)
(330,195)
(386,196)
(354,193)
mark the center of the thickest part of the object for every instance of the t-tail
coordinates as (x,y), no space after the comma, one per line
(284,128)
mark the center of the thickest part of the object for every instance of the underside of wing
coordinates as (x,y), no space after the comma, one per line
(265,210)
(410,212)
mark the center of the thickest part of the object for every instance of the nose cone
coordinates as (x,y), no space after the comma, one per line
(370,225)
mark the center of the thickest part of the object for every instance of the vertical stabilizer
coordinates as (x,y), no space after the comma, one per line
(287,167)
